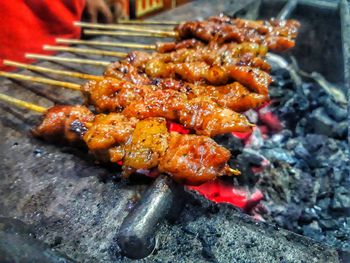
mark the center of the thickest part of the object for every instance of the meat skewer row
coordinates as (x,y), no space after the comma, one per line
(207,65)
(233,96)
(277,35)
(200,114)
(145,144)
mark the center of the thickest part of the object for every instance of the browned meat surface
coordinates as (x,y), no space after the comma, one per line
(193,160)
(164,47)
(144,144)
(64,124)
(277,35)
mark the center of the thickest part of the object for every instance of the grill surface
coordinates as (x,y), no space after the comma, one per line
(76,207)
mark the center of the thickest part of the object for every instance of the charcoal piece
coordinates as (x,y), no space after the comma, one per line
(335,111)
(234,144)
(319,122)
(256,139)
(329,224)
(301,152)
(341,199)
(279,155)
(281,137)
(313,231)
(253,157)
(308,215)
(324,203)
(313,142)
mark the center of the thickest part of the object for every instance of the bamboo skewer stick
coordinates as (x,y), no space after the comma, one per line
(132,28)
(50,70)
(63,84)
(71,60)
(129,34)
(149,22)
(22,103)
(86,51)
(105,43)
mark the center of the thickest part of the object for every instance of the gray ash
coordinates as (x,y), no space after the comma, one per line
(306,183)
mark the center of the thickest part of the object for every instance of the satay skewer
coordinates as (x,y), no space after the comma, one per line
(63,84)
(50,70)
(86,51)
(70,60)
(150,22)
(131,28)
(105,43)
(74,114)
(22,103)
(166,34)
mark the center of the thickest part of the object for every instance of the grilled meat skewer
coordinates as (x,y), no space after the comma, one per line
(144,144)
(142,101)
(277,35)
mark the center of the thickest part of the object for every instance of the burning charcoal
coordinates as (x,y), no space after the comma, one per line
(341,198)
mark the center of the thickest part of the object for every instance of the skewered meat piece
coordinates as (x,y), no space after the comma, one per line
(144,144)
(143,101)
(233,96)
(164,47)
(277,35)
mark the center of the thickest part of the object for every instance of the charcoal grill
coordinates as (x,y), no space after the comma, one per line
(77,207)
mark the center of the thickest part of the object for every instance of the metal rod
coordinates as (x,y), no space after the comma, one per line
(50,70)
(287,9)
(86,51)
(71,60)
(136,236)
(105,43)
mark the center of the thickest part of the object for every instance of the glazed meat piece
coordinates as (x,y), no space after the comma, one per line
(151,101)
(164,47)
(144,144)
(276,35)
(64,124)
(205,117)
(149,141)
(193,160)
